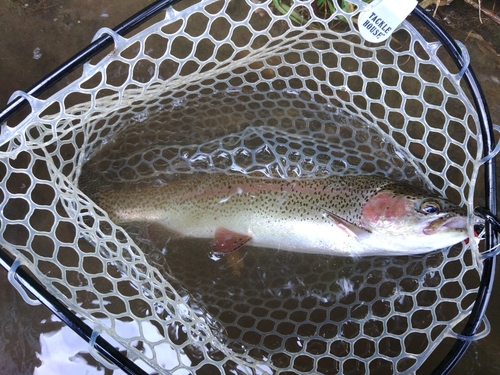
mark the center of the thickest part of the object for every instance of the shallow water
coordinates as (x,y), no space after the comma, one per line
(36,38)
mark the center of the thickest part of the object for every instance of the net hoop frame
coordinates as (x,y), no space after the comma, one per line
(488,276)
(17,103)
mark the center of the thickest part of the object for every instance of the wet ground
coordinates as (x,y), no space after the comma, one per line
(36,36)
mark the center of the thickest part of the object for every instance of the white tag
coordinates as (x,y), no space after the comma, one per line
(378,22)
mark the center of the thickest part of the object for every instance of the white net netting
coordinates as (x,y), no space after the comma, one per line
(272,89)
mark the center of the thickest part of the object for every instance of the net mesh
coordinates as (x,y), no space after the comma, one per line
(272,89)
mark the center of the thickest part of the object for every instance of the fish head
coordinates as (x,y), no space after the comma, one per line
(411,220)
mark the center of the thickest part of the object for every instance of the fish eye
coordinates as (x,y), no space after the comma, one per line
(430,207)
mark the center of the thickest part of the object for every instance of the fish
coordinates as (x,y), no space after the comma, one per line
(362,215)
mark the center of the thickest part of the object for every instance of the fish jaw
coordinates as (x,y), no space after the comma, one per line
(398,225)
(445,222)
(444,231)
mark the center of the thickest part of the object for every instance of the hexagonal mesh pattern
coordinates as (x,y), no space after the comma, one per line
(243,87)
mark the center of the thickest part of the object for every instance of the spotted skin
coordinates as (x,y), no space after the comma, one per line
(352,215)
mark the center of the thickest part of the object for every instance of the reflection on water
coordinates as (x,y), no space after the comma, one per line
(62,351)
(21,327)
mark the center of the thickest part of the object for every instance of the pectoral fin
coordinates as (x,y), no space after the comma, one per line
(227,241)
(350,229)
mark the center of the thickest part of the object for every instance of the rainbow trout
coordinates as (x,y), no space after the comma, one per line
(355,215)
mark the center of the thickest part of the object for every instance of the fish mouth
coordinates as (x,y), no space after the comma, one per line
(446,223)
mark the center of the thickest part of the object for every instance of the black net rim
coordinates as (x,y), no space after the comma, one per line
(487,133)
(487,278)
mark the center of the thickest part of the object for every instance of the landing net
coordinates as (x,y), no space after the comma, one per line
(274,89)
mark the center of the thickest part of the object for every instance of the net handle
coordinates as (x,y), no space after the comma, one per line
(487,134)
(97,46)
